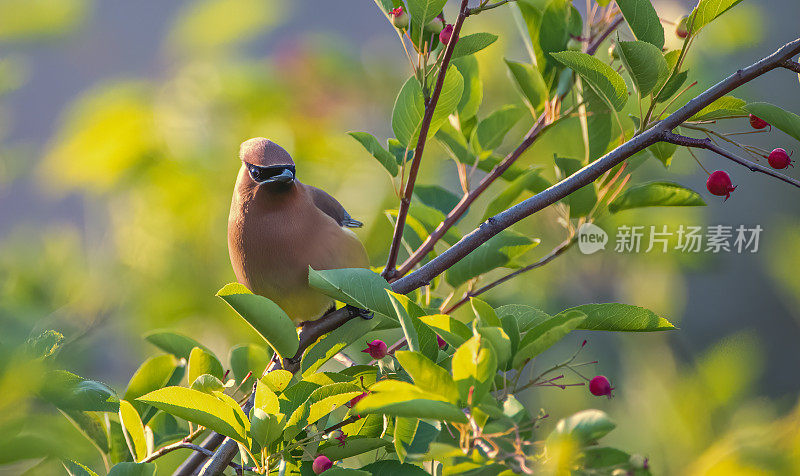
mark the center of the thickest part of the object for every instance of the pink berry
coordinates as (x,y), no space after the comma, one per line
(758,123)
(719,184)
(399,18)
(446,34)
(600,386)
(442,343)
(376,349)
(355,400)
(321,464)
(779,159)
(682,27)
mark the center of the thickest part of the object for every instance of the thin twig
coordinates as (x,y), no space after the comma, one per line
(678,139)
(476,10)
(430,106)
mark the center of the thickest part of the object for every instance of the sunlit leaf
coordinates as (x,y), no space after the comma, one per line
(154,373)
(470,44)
(203,362)
(472,95)
(707,11)
(725,106)
(454,332)
(334,342)
(134,429)
(620,318)
(427,375)
(474,367)
(358,287)
(354,446)
(403,399)
(656,194)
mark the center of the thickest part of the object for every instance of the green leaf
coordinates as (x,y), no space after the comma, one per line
(599,75)
(784,120)
(354,446)
(358,287)
(419,336)
(530,83)
(499,251)
(166,429)
(423,11)
(409,107)
(212,412)
(492,130)
(154,373)
(707,11)
(582,201)
(203,362)
(643,20)
(266,427)
(246,358)
(403,399)
(334,342)
(484,312)
(436,197)
(134,430)
(663,151)
(583,427)
(117,447)
(526,316)
(599,123)
(393,468)
(672,86)
(552,32)
(511,328)
(399,151)
(474,367)
(644,63)
(77,469)
(277,380)
(207,383)
(427,375)
(620,318)
(543,336)
(501,343)
(133,469)
(173,343)
(454,332)
(470,44)
(68,391)
(404,430)
(265,398)
(472,96)
(91,425)
(530,180)
(45,344)
(374,147)
(263,315)
(603,456)
(656,194)
(725,106)
(321,402)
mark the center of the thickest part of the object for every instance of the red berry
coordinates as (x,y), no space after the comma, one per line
(446,34)
(779,159)
(442,343)
(682,27)
(399,18)
(321,464)
(376,349)
(719,184)
(758,123)
(600,386)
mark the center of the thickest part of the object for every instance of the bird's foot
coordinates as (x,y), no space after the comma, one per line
(358,312)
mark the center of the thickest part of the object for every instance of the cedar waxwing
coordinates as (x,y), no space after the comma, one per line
(278,227)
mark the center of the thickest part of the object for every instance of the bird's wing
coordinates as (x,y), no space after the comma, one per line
(331,207)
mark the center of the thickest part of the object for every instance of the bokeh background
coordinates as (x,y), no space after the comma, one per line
(119,130)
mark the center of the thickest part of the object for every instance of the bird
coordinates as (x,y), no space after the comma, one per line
(279,226)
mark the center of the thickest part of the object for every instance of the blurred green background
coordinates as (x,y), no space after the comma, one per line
(119,130)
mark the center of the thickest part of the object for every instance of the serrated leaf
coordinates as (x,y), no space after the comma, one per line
(470,44)
(620,318)
(372,146)
(643,20)
(723,107)
(393,397)
(423,11)
(492,130)
(263,315)
(708,11)
(134,430)
(599,75)
(530,83)
(644,63)
(427,375)
(202,409)
(358,287)
(409,107)
(526,316)
(656,194)
(786,121)
(543,336)
(498,251)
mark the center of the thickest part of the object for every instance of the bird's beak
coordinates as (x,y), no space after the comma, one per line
(285,176)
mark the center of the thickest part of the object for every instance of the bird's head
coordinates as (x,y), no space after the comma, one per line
(267,162)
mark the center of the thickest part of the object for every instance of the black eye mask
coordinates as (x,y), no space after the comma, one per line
(272,174)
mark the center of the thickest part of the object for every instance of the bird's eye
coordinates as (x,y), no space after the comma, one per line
(255,173)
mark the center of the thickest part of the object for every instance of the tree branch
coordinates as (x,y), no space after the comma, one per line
(553,254)
(792,65)
(707,144)
(462,207)
(591,172)
(476,10)
(405,202)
